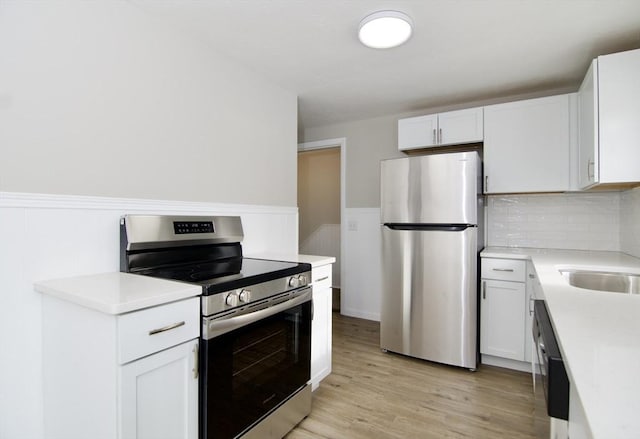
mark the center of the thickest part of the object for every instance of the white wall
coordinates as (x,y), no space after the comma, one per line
(325,241)
(100,98)
(44,237)
(369,141)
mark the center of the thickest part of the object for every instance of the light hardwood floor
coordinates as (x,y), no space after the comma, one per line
(371,394)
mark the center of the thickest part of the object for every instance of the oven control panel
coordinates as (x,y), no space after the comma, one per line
(227,300)
(299,280)
(238,297)
(186,227)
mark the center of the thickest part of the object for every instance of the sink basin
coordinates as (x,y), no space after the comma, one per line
(603,280)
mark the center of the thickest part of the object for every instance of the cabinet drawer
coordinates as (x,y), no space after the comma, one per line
(151,330)
(321,277)
(503,269)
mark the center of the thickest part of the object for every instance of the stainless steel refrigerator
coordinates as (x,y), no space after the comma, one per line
(431,214)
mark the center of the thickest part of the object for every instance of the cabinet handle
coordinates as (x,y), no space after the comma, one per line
(439,135)
(531,276)
(486,183)
(196,362)
(484,290)
(508,270)
(531,305)
(322,278)
(434,136)
(590,169)
(166,328)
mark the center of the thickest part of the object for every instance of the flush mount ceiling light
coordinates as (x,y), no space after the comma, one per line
(384,29)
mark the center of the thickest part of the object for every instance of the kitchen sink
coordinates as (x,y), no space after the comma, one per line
(603,280)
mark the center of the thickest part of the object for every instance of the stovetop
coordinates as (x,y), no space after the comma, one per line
(200,250)
(220,276)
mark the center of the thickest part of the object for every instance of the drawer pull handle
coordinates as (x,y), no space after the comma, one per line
(322,278)
(509,270)
(166,328)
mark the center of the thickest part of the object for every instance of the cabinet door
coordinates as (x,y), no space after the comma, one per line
(463,126)
(619,116)
(588,128)
(159,395)
(529,356)
(502,321)
(526,146)
(321,325)
(417,132)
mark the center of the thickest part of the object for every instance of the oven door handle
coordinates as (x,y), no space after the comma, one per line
(213,328)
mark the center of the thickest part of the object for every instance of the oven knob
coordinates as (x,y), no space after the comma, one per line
(294,282)
(244,296)
(231,299)
(302,279)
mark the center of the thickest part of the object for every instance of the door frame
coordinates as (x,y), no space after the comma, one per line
(338,142)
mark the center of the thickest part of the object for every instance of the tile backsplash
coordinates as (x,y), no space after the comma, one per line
(581,221)
(630,222)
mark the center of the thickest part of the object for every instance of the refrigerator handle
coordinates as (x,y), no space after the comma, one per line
(428,227)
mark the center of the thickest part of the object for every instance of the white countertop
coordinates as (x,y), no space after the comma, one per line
(598,333)
(315,261)
(117,293)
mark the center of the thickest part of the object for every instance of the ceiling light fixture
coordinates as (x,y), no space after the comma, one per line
(385,29)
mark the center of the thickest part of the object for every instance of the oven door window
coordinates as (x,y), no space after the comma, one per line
(249,371)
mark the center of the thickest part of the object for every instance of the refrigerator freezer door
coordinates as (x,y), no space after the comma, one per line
(429,299)
(440,188)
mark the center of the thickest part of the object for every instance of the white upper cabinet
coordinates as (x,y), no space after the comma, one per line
(527,146)
(417,132)
(609,115)
(464,126)
(451,128)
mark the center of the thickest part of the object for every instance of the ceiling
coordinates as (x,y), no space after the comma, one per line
(461,51)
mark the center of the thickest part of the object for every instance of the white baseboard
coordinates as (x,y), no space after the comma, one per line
(506,363)
(360,314)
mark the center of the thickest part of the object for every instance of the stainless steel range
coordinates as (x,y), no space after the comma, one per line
(255,345)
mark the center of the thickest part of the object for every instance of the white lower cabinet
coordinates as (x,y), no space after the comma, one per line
(502,319)
(159,395)
(129,376)
(506,312)
(321,324)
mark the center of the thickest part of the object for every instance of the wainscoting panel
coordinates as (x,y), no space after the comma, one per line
(325,241)
(361,282)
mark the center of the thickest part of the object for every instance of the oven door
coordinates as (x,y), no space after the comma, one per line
(259,360)
(551,384)
(541,417)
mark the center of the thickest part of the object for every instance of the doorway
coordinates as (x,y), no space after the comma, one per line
(320,206)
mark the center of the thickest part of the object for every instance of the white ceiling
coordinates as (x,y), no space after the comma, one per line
(461,50)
